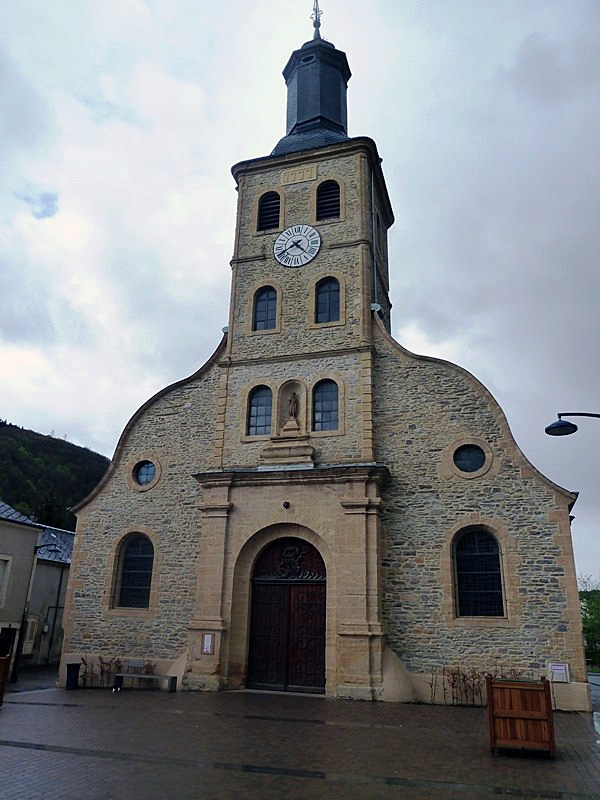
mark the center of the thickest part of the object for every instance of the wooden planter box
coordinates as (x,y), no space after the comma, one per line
(520,715)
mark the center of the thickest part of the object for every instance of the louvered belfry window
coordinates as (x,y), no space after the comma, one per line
(478,575)
(328,200)
(268,211)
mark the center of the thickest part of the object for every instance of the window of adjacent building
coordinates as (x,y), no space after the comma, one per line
(469,458)
(268,211)
(4,572)
(31,630)
(135,572)
(327,300)
(264,313)
(328,200)
(325,406)
(478,575)
(260,405)
(144,472)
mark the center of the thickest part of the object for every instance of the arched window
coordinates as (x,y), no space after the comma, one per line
(135,572)
(328,200)
(478,575)
(264,313)
(268,211)
(325,406)
(327,300)
(260,404)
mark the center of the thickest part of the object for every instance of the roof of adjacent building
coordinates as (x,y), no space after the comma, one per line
(9,514)
(56,545)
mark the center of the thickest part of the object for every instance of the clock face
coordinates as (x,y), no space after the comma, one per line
(296,246)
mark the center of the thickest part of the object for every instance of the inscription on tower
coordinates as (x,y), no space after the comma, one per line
(299,174)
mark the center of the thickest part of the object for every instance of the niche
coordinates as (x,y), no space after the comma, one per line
(292,409)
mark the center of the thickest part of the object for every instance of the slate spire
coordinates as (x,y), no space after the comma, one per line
(316,77)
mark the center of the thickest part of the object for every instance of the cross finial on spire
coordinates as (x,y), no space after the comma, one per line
(316,18)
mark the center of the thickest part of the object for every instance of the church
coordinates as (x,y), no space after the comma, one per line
(317,509)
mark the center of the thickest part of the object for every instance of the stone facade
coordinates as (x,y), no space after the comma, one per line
(424,410)
(379,497)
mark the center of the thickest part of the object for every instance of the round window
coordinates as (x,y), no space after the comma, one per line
(469,458)
(144,472)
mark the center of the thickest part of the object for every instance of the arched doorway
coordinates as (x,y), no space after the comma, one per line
(287,618)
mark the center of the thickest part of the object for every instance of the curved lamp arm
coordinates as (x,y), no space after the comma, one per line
(563,427)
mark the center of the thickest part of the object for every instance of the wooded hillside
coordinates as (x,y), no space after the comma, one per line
(41,476)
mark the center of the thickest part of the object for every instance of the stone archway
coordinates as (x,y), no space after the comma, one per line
(287,619)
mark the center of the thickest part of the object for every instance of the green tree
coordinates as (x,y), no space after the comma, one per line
(44,476)
(590,617)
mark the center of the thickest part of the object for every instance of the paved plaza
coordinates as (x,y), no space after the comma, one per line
(96,745)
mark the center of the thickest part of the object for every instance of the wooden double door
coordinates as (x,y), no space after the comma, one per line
(287,619)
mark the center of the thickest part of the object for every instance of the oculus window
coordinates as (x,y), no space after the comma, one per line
(135,572)
(260,405)
(469,458)
(325,406)
(144,473)
(328,200)
(478,575)
(327,300)
(264,312)
(268,211)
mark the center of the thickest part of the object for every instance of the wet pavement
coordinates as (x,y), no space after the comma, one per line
(95,745)
(31,678)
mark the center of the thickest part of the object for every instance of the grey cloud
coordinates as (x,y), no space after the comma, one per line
(540,70)
(25,118)
(101,110)
(24,313)
(43,204)
(552,72)
(171,336)
(33,310)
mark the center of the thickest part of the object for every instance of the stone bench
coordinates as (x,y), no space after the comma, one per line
(135,670)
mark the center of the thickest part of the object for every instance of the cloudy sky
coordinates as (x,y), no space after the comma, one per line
(119,122)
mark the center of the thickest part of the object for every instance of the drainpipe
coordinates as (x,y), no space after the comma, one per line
(373,234)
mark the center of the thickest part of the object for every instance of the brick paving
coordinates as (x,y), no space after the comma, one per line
(96,745)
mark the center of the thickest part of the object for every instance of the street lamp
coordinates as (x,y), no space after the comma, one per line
(562,427)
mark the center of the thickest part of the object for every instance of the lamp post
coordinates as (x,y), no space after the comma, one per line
(562,427)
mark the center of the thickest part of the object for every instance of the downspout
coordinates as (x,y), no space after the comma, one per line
(373,246)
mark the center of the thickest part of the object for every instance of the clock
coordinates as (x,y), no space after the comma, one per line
(296,246)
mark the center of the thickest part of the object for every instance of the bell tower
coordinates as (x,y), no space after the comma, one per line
(315,210)
(293,453)
(310,268)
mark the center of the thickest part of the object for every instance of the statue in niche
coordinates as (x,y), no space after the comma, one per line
(293,404)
